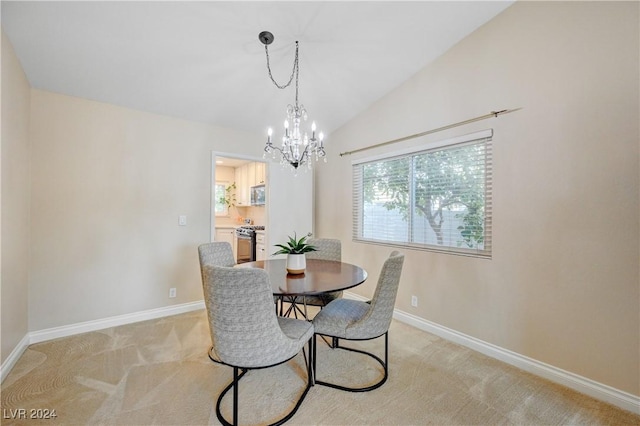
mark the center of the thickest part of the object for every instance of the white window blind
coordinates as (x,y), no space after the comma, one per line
(435,198)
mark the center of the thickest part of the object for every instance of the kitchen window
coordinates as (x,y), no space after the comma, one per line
(224,198)
(436,197)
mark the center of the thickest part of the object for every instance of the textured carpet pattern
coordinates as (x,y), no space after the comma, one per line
(157,372)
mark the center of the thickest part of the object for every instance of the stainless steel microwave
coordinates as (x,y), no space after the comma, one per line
(257,195)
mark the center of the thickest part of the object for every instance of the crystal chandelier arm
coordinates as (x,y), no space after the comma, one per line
(270,147)
(305,155)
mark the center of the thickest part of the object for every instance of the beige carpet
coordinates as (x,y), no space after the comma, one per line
(157,372)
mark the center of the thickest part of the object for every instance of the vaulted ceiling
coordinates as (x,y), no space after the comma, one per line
(203,61)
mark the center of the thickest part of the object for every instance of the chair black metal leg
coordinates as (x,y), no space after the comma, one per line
(384,365)
(235,385)
(235,395)
(310,378)
(326,341)
(304,354)
(313,358)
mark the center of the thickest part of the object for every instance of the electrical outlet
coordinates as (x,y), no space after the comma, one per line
(414,301)
(172,292)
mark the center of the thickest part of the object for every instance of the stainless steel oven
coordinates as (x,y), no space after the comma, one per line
(245,246)
(246,243)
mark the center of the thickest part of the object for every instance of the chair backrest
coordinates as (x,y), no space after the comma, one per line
(378,318)
(243,324)
(328,249)
(217,253)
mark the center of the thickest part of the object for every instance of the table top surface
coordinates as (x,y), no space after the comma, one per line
(320,276)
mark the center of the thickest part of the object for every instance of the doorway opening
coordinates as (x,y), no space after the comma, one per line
(235,184)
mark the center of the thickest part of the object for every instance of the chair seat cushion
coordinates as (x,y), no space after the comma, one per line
(336,318)
(319,300)
(296,329)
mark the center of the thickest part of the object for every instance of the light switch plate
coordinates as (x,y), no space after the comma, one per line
(182,220)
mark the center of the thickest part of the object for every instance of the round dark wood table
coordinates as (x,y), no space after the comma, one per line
(320,276)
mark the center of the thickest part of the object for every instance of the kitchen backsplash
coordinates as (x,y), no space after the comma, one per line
(257,214)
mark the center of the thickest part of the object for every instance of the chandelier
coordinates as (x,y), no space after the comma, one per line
(298,147)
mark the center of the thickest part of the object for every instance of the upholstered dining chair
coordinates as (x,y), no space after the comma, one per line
(220,253)
(246,331)
(327,249)
(356,320)
(217,253)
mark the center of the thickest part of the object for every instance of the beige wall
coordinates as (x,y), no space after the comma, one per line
(563,284)
(15,200)
(108,186)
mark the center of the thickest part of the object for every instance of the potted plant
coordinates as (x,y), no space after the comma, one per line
(295,250)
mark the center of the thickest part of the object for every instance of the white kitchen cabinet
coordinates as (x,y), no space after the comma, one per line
(251,174)
(248,175)
(227,234)
(242,186)
(260,173)
(261,248)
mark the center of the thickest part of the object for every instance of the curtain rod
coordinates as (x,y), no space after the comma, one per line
(492,114)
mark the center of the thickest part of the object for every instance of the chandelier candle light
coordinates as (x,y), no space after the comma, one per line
(297,147)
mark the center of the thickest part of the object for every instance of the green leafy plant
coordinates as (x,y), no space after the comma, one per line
(295,246)
(229,197)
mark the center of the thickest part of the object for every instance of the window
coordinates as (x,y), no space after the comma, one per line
(224,198)
(437,198)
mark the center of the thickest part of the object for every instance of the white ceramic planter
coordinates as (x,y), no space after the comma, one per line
(296,263)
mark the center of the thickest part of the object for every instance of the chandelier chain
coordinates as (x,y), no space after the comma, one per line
(297,66)
(295,71)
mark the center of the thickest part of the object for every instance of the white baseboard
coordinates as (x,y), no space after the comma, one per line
(573,381)
(84,327)
(13,357)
